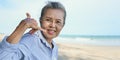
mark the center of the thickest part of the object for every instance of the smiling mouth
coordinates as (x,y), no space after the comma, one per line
(51,32)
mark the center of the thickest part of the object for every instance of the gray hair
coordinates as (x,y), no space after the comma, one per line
(53,5)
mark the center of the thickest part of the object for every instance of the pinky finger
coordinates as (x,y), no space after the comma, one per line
(42,29)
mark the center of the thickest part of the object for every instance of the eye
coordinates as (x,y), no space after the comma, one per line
(47,19)
(58,21)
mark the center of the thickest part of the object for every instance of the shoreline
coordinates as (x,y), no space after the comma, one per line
(89,41)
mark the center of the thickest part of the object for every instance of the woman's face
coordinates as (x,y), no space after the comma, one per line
(52,22)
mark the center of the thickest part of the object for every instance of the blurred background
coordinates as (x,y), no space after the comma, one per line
(92,26)
(84,17)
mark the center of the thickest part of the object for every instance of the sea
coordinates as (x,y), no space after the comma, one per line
(102,40)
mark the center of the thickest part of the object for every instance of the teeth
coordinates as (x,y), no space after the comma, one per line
(51,31)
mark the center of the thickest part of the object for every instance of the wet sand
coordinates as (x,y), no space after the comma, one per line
(88,52)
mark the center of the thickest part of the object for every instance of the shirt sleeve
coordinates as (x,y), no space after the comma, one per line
(9,51)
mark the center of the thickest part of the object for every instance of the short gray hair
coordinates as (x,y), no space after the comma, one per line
(53,5)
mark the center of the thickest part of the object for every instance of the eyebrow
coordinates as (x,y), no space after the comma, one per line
(47,17)
(59,19)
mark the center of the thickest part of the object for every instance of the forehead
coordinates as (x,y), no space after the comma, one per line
(54,13)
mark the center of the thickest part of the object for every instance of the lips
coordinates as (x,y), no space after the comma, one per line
(51,31)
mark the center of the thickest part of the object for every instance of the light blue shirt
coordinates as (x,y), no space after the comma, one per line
(30,47)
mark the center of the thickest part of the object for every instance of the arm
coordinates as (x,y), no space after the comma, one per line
(17,34)
(9,47)
(15,37)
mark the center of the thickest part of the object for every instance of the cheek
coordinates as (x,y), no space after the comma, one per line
(44,25)
(59,29)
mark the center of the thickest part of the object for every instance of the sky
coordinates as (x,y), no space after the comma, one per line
(84,17)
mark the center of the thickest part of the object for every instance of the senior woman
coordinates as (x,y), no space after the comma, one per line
(37,44)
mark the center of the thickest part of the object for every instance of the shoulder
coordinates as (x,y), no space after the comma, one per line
(28,36)
(28,39)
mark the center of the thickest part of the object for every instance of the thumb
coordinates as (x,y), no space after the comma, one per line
(28,15)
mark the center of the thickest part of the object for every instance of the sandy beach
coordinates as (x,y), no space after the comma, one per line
(88,52)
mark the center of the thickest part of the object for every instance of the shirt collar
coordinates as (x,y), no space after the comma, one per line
(43,40)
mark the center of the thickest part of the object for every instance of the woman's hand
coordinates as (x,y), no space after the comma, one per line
(21,28)
(32,23)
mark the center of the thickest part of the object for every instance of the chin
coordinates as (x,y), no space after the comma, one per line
(51,37)
(47,36)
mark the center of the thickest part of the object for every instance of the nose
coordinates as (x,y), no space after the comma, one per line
(53,25)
